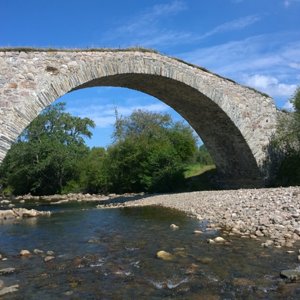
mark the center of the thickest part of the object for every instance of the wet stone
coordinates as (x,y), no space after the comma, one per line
(174,227)
(37,251)
(25,253)
(164,255)
(290,274)
(9,289)
(7,271)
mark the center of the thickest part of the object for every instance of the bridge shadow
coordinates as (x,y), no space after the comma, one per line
(201,182)
(206,181)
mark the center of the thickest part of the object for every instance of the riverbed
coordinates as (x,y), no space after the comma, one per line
(112,254)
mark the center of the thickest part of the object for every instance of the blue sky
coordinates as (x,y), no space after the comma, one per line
(254,42)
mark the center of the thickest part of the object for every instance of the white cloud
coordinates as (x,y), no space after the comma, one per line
(271,85)
(232,25)
(148,29)
(104,115)
(269,63)
(152,16)
(288,106)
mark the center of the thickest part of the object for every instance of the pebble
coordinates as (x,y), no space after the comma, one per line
(197,232)
(37,251)
(164,255)
(50,253)
(48,258)
(174,227)
(219,240)
(205,260)
(25,252)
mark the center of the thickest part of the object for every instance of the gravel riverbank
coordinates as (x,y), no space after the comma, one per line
(271,213)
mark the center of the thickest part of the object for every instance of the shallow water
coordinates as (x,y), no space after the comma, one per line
(110,254)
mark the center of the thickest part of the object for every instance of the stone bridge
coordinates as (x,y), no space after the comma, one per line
(235,122)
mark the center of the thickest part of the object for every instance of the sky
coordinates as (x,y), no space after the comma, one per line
(254,42)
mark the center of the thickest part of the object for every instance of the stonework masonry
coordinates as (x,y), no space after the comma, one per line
(235,122)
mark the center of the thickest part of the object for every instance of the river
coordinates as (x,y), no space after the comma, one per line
(111,254)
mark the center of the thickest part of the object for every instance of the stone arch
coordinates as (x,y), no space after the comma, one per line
(235,122)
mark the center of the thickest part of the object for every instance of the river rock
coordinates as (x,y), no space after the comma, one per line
(15,213)
(197,231)
(205,260)
(7,214)
(50,253)
(7,271)
(38,251)
(191,269)
(25,252)
(29,213)
(4,201)
(164,255)
(48,258)
(219,240)
(174,227)
(267,243)
(1,284)
(290,274)
(9,289)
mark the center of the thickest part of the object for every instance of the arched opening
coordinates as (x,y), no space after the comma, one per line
(223,139)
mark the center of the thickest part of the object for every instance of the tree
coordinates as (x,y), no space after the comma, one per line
(149,153)
(287,144)
(203,157)
(94,173)
(45,156)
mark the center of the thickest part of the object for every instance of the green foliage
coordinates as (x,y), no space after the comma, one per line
(94,172)
(203,157)
(149,153)
(46,155)
(287,145)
